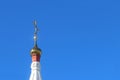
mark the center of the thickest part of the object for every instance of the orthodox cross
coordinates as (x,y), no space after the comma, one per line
(35,33)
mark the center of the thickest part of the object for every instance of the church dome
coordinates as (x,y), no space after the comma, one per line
(35,50)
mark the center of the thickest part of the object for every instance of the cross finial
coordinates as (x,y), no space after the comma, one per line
(35,33)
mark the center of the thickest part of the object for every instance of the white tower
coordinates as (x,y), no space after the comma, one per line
(35,54)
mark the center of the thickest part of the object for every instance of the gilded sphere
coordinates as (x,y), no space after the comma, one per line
(35,50)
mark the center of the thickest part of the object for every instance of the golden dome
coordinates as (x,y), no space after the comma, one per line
(36,50)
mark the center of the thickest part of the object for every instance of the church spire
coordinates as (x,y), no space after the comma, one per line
(35,49)
(35,54)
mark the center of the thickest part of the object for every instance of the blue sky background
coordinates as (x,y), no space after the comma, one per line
(80,39)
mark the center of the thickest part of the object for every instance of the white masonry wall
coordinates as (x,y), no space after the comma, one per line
(35,71)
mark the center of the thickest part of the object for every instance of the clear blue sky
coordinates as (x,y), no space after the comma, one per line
(80,39)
